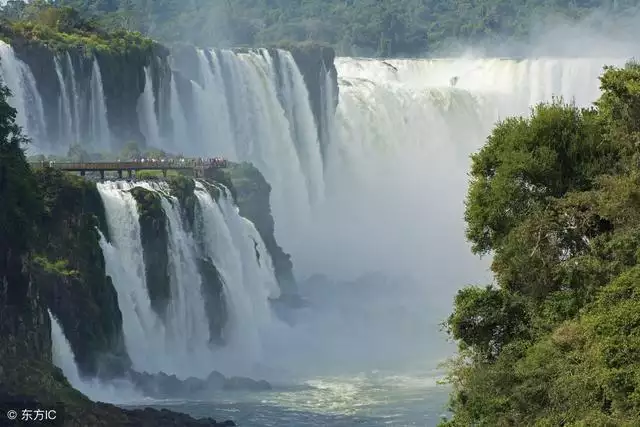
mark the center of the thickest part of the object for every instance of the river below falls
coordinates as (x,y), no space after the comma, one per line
(367,399)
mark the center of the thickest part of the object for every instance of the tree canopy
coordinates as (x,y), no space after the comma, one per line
(364,27)
(555,197)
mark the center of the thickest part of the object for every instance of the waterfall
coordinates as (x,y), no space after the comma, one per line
(213,111)
(186,320)
(302,125)
(395,168)
(144,331)
(180,128)
(62,354)
(63,357)
(328,93)
(178,343)
(147,113)
(231,242)
(65,122)
(260,128)
(100,133)
(75,98)
(25,96)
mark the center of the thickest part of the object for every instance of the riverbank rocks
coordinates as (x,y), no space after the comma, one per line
(164,386)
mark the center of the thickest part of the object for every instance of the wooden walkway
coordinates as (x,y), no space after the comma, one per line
(194,166)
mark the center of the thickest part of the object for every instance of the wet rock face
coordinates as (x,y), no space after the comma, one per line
(69,270)
(155,244)
(251,192)
(314,61)
(24,322)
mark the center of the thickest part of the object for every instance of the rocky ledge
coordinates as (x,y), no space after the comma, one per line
(164,386)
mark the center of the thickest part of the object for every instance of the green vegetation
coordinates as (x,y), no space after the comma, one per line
(59,267)
(68,241)
(183,188)
(555,197)
(63,29)
(365,27)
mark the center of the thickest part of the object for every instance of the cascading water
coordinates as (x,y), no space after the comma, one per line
(25,96)
(147,112)
(62,355)
(65,122)
(74,98)
(63,358)
(240,91)
(237,250)
(144,332)
(403,132)
(179,342)
(303,128)
(99,124)
(179,121)
(186,318)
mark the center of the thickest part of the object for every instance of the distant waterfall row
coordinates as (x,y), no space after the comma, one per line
(179,340)
(251,106)
(81,113)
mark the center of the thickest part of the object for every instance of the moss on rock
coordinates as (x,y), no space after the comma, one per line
(183,188)
(70,271)
(39,384)
(155,243)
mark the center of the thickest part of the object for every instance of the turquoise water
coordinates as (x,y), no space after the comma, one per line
(372,399)
(360,354)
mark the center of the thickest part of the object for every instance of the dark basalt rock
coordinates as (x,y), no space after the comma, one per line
(251,192)
(163,386)
(314,60)
(155,243)
(101,414)
(215,304)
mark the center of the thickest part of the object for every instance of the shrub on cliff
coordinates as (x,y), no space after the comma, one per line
(20,204)
(63,29)
(556,198)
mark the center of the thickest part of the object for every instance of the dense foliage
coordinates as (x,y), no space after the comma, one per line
(555,197)
(18,188)
(365,27)
(64,28)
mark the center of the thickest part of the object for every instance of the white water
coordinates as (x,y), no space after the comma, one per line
(63,358)
(302,125)
(231,242)
(65,120)
(75,98)
(179,342)
(99,124)
(240,117)
(179,121)
(147,112)
(25,96)
(396,166)
(144,332)
(186,318)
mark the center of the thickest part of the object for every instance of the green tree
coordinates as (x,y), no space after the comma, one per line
(555,197)
(20,205)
